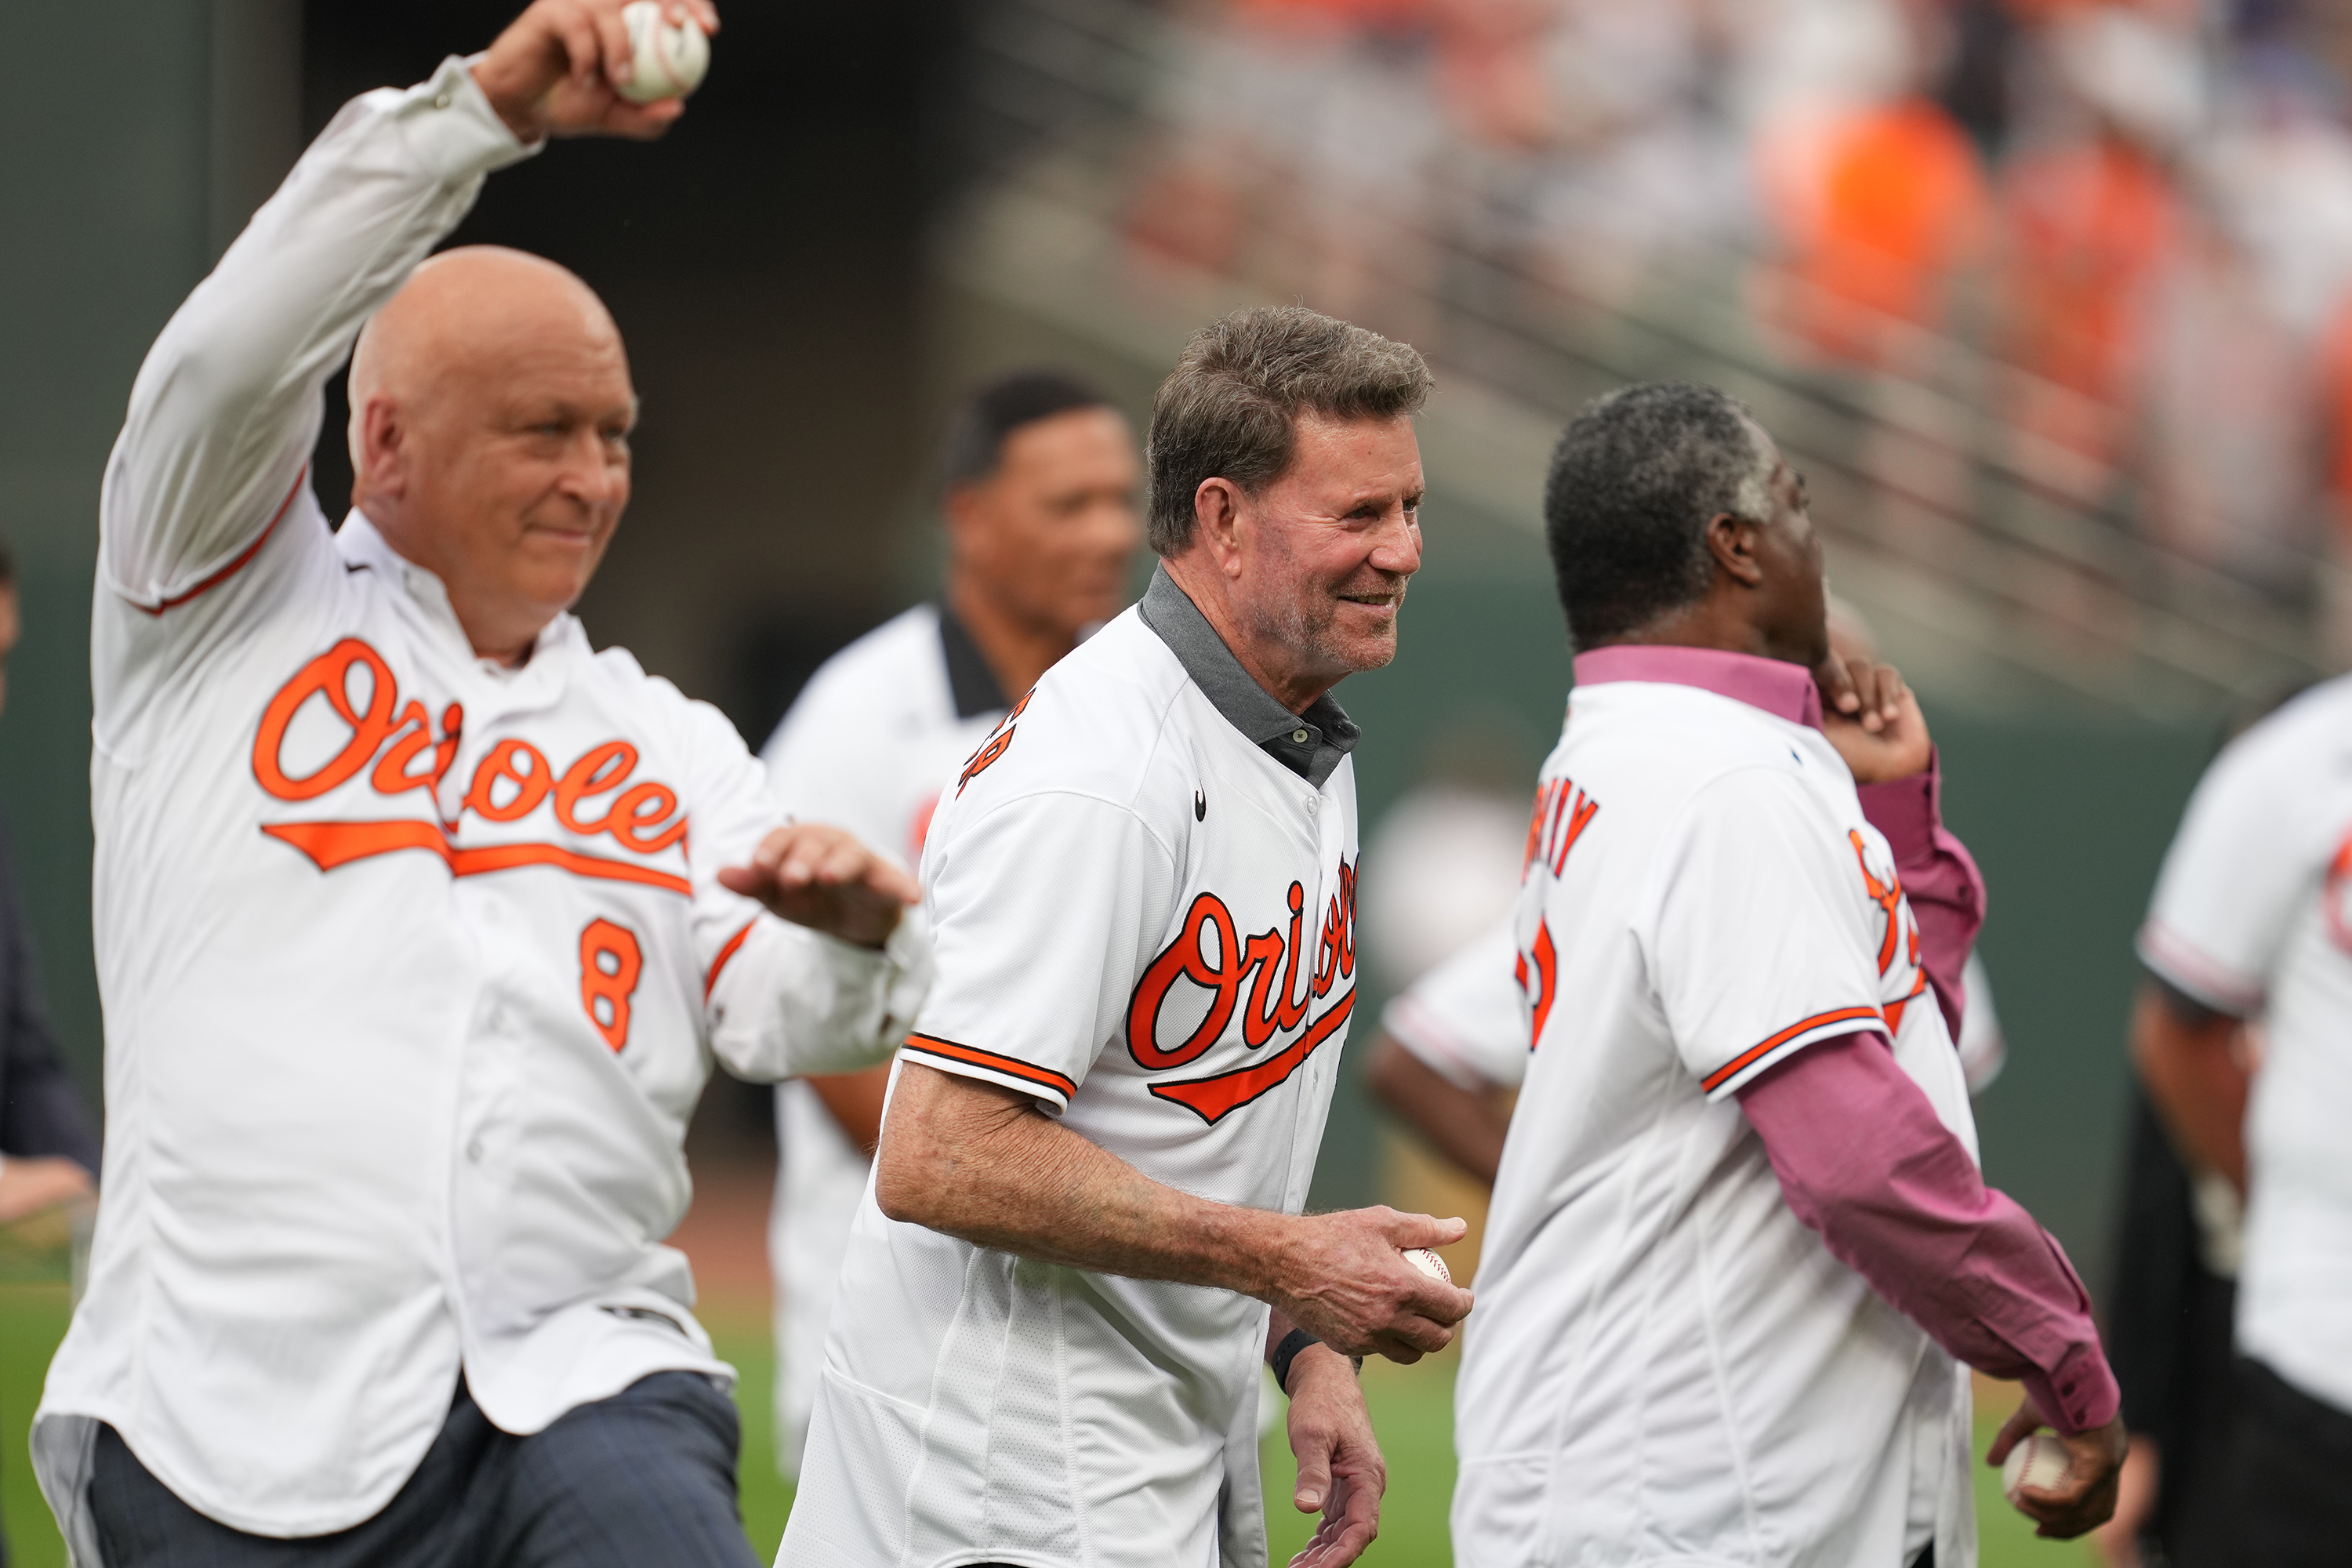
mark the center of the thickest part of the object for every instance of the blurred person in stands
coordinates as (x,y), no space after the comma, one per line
(1301,132)
(1875,191)
(48,1152)
(412,972)
(1041,504)
(1585,133)
(2090,216)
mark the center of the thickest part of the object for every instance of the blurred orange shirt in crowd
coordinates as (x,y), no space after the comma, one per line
(1876,208)
(2085,228)
(1350,15)
(2335,382)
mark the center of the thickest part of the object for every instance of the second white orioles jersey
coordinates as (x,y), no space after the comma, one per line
(869,744)
(1147,923)
(1665,1365)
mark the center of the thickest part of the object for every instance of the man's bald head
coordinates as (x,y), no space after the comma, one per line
(491,410)
(466,312)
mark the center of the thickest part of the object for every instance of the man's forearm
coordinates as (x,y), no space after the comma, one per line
(982,1163)
(224,406)
(1465,1127)
(1864,1163)
(2187,1056)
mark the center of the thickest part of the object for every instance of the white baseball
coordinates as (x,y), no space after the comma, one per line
(1429,1263)
(666,58)
(2039,1461)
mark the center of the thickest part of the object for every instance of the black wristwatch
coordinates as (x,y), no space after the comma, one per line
(1285,1352)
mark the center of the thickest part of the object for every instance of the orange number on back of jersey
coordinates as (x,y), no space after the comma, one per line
(1546,976)
(610,963)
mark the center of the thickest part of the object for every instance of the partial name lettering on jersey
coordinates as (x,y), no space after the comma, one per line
(1562,811)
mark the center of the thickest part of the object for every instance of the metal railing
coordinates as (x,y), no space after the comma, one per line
(1961,526)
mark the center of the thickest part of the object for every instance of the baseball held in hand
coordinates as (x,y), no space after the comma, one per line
(2040,1462)
(1429,1263)
(666,58)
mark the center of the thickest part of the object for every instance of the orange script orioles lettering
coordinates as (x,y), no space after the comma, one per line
(1258,961)
(993,747)
(514,780)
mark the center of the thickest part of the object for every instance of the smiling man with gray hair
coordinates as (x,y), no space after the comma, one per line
(1083,1235)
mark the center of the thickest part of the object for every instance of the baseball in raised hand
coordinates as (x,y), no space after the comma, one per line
(827,879)
(563,67)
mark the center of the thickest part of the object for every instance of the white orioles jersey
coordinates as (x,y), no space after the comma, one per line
(2252,914)
(868,745)
(1665,1365)
(1146,923)
(1466,1019)
(414,967)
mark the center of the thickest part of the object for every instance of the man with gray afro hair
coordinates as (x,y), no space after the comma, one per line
(1741,1256)
(1632,483)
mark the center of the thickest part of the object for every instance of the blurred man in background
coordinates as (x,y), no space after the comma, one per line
(48,1152)
(2253,915)
(1042,506)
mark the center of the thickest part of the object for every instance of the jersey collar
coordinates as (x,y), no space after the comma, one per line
(363,547)
(1309,744)
(970,683)
(1783,689)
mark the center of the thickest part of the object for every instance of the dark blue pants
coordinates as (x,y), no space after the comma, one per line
(644,1478)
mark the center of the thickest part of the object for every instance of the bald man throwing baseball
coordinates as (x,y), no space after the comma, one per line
(419,923)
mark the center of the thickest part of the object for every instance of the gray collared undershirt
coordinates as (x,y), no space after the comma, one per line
(1308,744)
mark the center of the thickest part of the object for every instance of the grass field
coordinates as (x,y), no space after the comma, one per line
(1412,1407)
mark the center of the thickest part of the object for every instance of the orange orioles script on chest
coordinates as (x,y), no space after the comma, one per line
(1268,978)
(593,795)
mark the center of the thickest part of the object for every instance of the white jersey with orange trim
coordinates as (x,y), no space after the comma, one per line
(414,966)
(870,740)
(2253,915)
(1665,1364)
(1147,923)
(1466,1019)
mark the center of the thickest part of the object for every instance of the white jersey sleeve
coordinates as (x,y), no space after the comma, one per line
(824,765)
(226,407)
(1751,933)
(2233,879)
(783,1000)
(1466,1019)
(1043,911)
